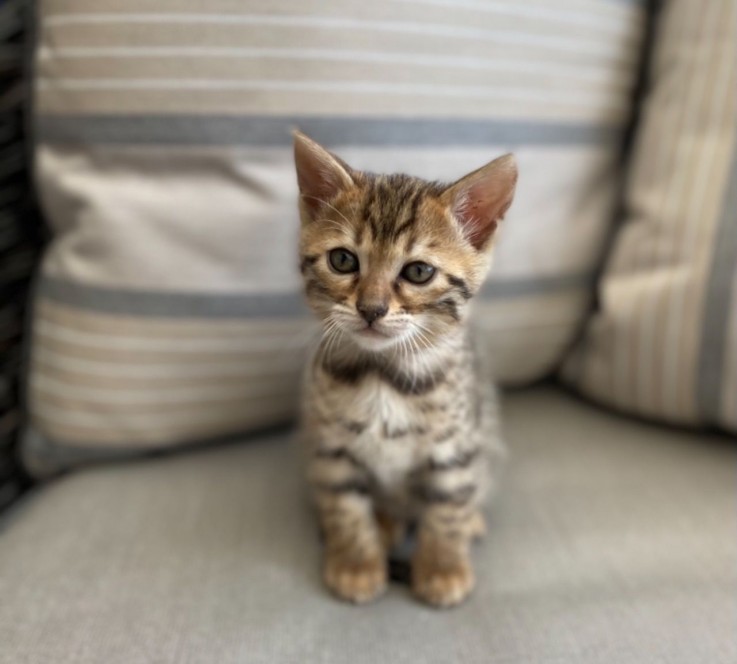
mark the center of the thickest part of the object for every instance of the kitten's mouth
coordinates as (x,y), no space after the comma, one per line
(372,333)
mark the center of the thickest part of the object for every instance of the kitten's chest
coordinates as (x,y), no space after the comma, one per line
(391,427)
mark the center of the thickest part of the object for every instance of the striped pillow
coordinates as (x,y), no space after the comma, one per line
(664,341)
(168,308)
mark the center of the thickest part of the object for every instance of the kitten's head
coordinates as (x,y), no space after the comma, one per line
(393,260)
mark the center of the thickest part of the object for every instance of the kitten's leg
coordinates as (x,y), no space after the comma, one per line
(354,564)
(442,574)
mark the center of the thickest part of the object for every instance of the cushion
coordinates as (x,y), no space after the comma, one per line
(663,343)
(168,307)
(610,541)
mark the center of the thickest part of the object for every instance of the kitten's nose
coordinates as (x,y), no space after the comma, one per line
(372,312)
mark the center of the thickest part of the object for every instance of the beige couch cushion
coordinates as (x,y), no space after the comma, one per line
(664,341)
(168,307)
(611,542)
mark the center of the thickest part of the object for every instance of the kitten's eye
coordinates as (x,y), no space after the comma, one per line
(418,272)
(343,261)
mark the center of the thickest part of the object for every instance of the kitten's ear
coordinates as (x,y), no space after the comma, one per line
(320,175)
(480,199)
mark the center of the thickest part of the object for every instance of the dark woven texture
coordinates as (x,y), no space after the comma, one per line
(20,236)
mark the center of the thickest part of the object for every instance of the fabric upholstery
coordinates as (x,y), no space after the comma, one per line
(663,343)
(168,307)
(610,542)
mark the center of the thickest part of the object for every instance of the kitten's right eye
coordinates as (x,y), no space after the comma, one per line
(343,261)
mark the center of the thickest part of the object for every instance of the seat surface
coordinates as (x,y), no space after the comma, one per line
(610,541)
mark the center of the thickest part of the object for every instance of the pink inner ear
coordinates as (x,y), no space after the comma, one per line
(320,176)
(481,199)
(317,186)
(478,215)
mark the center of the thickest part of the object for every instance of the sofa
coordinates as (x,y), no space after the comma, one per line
(611,541)
(152,517)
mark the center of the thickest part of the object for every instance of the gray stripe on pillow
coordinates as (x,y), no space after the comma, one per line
(172,304)
(715,325)
(270,131)
(252,305)
(498,289)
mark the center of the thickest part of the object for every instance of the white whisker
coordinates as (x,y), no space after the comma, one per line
(332,207)
(331,223)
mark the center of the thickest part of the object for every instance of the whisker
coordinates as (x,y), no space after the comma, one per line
(421,336)
(334,209)
(331,223)
(330,324)
(333,334)
(331,206)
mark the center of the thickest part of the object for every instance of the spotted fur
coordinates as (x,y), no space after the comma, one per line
(399,426)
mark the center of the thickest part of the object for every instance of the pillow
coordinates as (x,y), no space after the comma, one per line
(168,307)
(663,343)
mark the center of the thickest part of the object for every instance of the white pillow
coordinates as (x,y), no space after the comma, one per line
(168,308)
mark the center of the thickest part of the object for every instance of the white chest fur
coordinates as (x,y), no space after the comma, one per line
(386,414)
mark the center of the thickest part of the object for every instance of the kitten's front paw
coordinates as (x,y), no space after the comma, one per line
(442,586)
(357,581)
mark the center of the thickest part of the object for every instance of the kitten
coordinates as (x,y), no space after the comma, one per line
(399,426)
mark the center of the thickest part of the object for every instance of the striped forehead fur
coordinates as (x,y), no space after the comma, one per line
(391,203)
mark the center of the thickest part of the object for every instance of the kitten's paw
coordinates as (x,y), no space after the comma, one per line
(355,581)
(444,586)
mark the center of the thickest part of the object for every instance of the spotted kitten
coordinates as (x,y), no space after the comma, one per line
(399,427)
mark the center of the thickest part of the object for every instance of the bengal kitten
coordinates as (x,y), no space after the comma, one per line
(400,428)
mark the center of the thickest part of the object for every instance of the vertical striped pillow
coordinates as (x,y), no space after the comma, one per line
(664,341)
(168,308)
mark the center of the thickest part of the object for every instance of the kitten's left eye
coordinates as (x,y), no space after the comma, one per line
(418,272)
